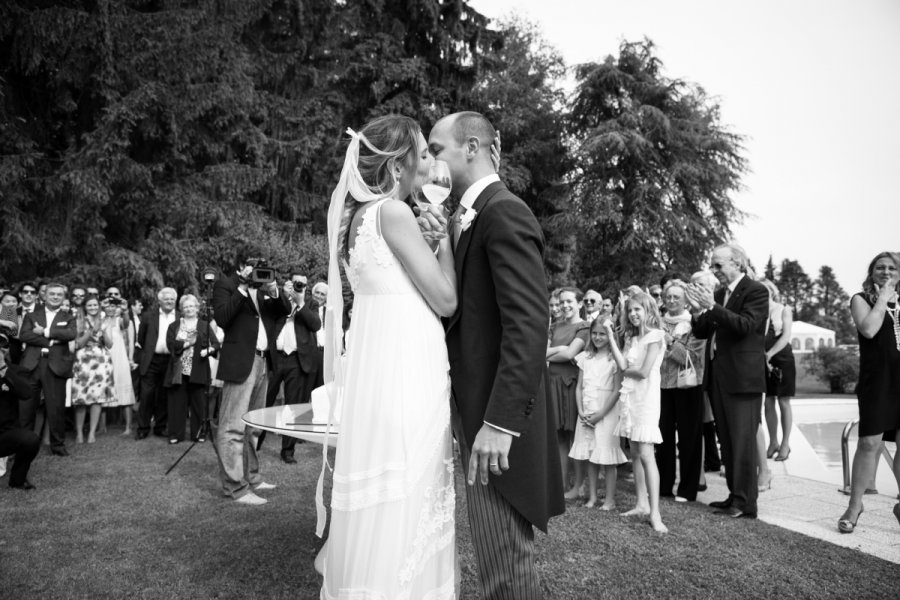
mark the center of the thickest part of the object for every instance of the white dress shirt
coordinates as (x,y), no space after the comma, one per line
(165,319)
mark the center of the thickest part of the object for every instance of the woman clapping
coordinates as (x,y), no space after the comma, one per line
(190,344)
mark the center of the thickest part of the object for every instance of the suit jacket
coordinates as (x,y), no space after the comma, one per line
(199,365)
(306,324)
(13,387)
(237,316)
(740,336)
(497,342)
(147,336)
(63,330)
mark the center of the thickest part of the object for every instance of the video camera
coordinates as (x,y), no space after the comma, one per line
(261,274)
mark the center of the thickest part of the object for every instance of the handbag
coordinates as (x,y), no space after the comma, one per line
(687,377)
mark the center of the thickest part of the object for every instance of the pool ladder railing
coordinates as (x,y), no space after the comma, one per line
(845,454)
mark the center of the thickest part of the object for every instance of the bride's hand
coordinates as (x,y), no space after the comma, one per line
(432,223)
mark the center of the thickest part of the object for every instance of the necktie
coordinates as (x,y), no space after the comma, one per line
(712,344)
(455,224)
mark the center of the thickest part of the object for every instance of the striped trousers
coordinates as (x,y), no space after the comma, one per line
(503,540)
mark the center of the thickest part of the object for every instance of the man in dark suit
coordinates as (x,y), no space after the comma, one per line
(496,343)
(734,321)
(154,361)
(247,316)
(46,333)
(294,360)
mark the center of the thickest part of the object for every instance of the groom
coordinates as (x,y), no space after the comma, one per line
(497,343)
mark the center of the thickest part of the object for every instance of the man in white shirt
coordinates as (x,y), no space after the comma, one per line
(154,361)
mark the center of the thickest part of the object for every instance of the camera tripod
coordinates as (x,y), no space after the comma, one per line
(206,431)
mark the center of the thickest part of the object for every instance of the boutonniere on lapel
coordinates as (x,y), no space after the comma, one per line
(466,218)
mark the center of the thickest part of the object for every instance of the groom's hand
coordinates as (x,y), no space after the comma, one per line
(490,453)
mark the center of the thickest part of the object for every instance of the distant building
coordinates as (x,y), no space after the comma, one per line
(806,337)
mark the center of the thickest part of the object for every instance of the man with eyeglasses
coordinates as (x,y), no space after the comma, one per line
(733,319)
(77,297)
(27,298)
(591,301)
(46,333)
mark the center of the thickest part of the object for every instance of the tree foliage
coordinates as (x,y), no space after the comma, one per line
(519,92)
(655,170)
(141,139)
(822,301)
(836,367)
(795,287)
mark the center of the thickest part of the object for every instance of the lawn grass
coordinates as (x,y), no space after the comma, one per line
(107,523)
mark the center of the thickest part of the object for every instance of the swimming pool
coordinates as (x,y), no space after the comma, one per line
(816,451)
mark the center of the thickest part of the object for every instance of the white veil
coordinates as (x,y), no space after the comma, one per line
(350,182)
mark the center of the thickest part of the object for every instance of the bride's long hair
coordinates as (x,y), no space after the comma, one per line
(384,142)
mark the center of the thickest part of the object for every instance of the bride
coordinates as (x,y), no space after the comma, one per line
(392,531)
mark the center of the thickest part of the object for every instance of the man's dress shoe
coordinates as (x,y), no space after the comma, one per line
(25,485)
(721,503)
(59,451)
(736,513)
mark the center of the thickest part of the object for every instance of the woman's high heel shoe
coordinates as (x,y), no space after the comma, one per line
(845,525)
(771,451)
(765,484)
(782,457)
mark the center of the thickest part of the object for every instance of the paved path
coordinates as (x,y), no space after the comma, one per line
(806,497)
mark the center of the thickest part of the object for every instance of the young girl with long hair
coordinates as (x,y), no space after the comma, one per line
(597,393)
(639,399)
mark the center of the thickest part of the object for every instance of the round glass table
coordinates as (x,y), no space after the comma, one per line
(294,420)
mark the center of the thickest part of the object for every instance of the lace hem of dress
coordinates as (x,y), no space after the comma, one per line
(434,532)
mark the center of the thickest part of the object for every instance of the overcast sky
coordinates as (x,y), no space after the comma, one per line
(814,85)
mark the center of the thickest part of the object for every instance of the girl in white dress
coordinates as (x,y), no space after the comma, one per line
(597,393)
(392,531)
(639,398)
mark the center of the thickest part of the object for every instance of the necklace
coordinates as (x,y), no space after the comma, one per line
(895,317)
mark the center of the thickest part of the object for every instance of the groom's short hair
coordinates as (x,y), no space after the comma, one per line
(472,124)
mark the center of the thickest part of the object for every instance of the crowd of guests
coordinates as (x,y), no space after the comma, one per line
(72,354)
(660,371)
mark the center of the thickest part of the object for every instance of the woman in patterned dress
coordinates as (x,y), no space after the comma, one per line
(92,380)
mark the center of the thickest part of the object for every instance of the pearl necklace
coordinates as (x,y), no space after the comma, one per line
(894,313)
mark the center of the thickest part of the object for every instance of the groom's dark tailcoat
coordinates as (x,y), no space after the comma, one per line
(735,378)
(497,342)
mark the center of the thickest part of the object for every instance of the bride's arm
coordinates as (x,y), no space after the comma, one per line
(434,276)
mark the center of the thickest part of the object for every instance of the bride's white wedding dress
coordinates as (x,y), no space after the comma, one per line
(392,506)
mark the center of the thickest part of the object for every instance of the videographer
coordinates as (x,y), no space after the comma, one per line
(245,305)
(15,440)
(294,359)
